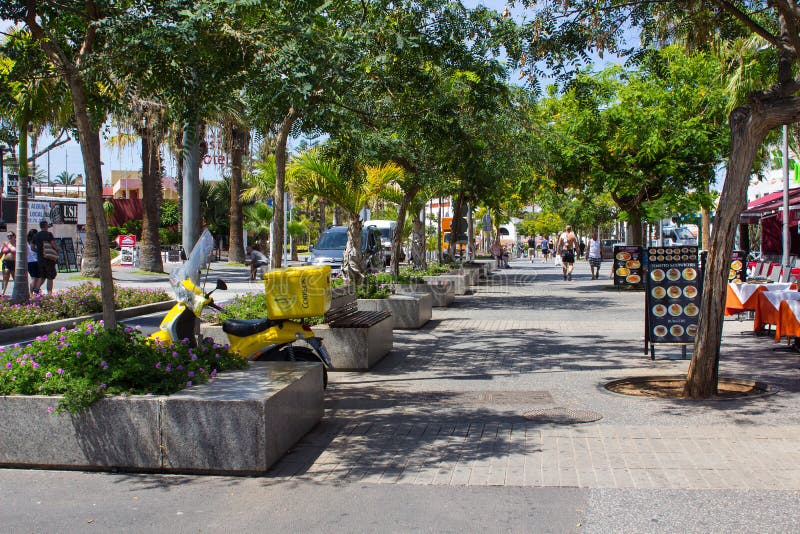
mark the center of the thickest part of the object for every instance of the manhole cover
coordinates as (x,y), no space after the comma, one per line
(562,415)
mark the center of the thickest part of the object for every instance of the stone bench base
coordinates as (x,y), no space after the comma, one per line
(356,349)
(442,293)
(459,281)
(240,423)
(408,311)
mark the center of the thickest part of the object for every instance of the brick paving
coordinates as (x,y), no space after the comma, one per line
(446,406)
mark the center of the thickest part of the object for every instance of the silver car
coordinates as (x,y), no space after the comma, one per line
(330,249)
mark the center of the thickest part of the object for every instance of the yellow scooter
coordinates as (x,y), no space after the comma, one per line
(257,339)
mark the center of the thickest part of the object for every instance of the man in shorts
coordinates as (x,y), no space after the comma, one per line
(47,266)
(531,248)
(566,246)
(256,259)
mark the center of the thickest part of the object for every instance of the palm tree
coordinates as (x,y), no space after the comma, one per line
(29,80)
(65,178)
(349,188)
(257,219)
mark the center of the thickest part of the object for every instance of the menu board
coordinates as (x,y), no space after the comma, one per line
(627,265)
(672,294)
(67,261)
(738,270)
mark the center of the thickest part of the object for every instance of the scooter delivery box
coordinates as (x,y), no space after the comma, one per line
(297,292)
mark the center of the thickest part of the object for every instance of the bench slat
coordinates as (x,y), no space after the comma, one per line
(361,319)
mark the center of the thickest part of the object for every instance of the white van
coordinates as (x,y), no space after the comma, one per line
(386,229)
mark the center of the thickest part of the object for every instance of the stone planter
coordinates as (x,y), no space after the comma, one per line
(240,423)
(459,281)
(473,272)
(356,348)
(442,293)
(408,311)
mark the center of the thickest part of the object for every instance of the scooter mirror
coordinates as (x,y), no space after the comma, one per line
(221,284)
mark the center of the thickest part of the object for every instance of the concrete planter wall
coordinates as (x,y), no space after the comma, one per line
(408,311)
(459,281)
(472,272)
(356,349)
(442,293)
(240,423)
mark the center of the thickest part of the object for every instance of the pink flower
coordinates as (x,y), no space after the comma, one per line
(50,409)
(60,371)
(48,374)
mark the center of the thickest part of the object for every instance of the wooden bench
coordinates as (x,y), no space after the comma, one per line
(355,339)
(344,311)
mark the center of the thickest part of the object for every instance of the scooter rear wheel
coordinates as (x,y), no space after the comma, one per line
(301,354)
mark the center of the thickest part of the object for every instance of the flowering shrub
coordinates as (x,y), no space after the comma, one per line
(89,362)
(80,300)
(248,306)
(374,288)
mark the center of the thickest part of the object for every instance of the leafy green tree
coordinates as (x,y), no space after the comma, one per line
(170,213)
(564,32)
(257,219)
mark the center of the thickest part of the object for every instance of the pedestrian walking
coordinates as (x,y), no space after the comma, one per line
(595,256)
(566,247)
(545,249)
(9,253)
(47,256)
(33,262)
(531,248)
(581,248)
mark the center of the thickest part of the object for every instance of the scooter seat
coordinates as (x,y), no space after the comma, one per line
(247,327)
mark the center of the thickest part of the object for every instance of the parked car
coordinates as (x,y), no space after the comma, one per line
(386,229)
(329,250)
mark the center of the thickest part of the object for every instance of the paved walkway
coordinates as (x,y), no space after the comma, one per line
(448,406)
(436,438)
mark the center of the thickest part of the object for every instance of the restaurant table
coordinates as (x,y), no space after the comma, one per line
(767,304)
(742,297)
(788,325)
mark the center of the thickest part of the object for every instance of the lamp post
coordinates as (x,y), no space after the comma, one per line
(3,150)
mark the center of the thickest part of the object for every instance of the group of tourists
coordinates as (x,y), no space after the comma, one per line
(42,255)
(568,245)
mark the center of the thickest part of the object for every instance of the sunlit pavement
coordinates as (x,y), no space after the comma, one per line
(446,433)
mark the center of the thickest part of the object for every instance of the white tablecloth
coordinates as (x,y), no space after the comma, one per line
(775,297)
(744,290)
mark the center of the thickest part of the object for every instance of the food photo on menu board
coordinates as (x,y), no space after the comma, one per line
(627,265)
(738,269)
(672,298)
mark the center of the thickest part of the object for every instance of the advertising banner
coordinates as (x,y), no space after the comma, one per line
(627,265)
(672,295)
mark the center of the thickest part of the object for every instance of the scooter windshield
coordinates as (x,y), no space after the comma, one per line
(197,260)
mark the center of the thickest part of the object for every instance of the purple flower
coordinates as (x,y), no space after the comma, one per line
(174,354)
(168,368)
(50,409)
(194,357)
(189,384)
(9,365)
(48,374)
(63,329)
(216,356)
(128,329)
(158,365)
(179,368)
(78,354)
(190,374)
(213,373)
(60,371)
(36,365)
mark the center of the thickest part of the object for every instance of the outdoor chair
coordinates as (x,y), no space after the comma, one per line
(775,272)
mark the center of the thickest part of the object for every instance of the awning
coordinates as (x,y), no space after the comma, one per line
(771,203)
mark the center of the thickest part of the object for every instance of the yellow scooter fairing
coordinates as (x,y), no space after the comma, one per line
(279,334)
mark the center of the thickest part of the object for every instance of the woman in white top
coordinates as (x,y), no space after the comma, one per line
(33,262)
(595,256)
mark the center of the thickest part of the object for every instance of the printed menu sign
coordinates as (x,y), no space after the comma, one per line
(672,294)
(627,265)
(738,270)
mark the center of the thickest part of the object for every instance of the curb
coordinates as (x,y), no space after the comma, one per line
(23,333)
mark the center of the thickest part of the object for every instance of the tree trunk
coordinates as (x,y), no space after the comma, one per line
(748,130)
(19,291)
(456,227)
(322,206)
(152,196)
(744,238)
(239,138)
(418,248)
(634,227)
(337,216)
(89,137)
(353,259)
(276,247)
(397,236)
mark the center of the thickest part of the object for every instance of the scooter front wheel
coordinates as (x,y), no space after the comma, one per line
(301,354)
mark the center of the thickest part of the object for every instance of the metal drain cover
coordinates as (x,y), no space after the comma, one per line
(562,415)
